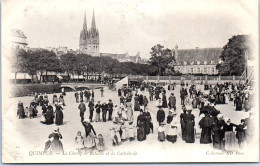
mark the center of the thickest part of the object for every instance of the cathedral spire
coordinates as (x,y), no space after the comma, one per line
(85,22)
(93,25)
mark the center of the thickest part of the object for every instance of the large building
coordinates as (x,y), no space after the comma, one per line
(17,39)
(197,61)
(89,39)
(126,57)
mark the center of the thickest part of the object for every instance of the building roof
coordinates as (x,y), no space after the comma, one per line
(199,55)
(117,56)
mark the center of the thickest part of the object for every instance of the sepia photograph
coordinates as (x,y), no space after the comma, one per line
(130,81)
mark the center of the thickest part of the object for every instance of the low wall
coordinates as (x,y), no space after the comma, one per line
(20,90)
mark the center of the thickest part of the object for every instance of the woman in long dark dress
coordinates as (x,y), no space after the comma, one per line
(56,145)
(183,120)
(20,111)
(164,101)
(205,124)
(148,123)
(59,115)
(218,133)
(141,100)
(141,120)
(238,103)
(190,118)
(49,116)
(89,140)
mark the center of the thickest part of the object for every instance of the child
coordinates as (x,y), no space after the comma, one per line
(113,136)
(79,142)
(161,132)
(123,135)
(131,131)
(27,112)
(100,145)
(117,133)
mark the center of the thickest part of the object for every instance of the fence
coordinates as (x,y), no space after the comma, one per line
(186,77)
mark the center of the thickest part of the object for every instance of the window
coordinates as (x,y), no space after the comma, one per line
(198,70)
(191,70)
(205,70)
(213,70)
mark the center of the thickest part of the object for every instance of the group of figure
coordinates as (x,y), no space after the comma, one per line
(214,127)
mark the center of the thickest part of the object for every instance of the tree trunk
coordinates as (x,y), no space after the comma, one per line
(46,77)
(87,74)
(15,75)
(41,77)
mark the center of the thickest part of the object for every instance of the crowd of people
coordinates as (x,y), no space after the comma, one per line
(212,128)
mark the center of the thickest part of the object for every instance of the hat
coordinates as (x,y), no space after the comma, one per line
(109,100)
(202,115)
(87,120)
(174,113)
(56,129)
(219,115)
(226,119)
(161,124)
(188,108)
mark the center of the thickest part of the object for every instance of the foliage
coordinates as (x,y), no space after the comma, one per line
(160,58)
(233,56)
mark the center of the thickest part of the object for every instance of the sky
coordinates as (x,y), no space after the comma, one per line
(132,25)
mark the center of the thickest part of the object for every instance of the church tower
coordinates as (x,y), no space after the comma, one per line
(89,39)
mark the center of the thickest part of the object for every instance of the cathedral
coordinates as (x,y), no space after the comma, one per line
(89,39)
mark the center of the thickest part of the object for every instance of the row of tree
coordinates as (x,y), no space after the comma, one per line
(43,61)
(161,62)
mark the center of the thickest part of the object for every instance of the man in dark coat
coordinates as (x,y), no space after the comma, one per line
(119,92)
(81,96)
(82,109)
(110,109)
(104,111)
(172,101)
(182,94)
(91,109)
(160,115)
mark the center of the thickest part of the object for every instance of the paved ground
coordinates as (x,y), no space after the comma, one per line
(33,135)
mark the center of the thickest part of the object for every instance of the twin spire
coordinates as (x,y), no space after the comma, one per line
(93,25)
